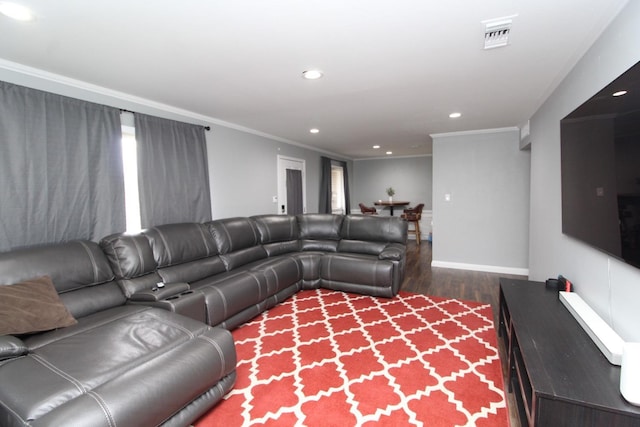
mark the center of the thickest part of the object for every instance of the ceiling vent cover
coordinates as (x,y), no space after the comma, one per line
(496,33)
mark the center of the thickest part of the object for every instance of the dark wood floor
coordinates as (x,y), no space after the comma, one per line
(421,278)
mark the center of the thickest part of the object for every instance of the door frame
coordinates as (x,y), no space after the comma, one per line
(284,163)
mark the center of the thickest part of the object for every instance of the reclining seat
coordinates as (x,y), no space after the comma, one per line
(119,365)
(188,253)
(280,235)
(379,245)
(136,269)
(253,282)
(319,235)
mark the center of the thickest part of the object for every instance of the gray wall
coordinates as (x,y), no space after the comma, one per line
(242,164)
(243,172)
(411,177)
(610,287)
(485,224)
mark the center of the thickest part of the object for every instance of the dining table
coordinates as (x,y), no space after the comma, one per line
(391,204)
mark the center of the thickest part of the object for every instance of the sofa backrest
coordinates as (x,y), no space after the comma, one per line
(278,233)
(319,232)
(371,234)
(78,269)
(238,241)
(132,262)
(184,252)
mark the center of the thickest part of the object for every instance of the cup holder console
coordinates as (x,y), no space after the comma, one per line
(189,303)
(176,297)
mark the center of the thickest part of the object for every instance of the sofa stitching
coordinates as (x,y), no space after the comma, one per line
(140,257)
(224,300)
(254,228)
(267,231)
(204,240)
(229,240)
(60,372)
(166,245)
(103,405)
(5,406)
(92,259)
(219,350)
(177,326)
(117,258)
(291,228)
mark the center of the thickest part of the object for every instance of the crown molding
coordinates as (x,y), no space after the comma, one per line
(475,132)
(43,80)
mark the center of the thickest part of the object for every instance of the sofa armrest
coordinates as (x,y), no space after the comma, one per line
(11,347)
(393,251)
(159,294)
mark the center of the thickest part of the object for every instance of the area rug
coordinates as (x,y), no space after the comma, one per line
(327,358)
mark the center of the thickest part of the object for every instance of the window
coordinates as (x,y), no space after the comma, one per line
(337,190)
(130,166)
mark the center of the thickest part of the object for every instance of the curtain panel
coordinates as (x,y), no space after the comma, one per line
(325,185)
(60,168)
(173,175)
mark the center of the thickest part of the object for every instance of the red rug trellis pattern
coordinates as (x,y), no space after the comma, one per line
(327,358)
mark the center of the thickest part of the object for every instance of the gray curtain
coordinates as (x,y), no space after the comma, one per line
(60,168)
(173,176)
(294,192)
(325,185)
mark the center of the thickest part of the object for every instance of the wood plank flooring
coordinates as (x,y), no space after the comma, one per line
(421,278)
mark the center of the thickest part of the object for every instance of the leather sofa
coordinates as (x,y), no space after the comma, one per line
(152,344)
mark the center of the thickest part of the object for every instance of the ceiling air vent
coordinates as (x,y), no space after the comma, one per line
(496,33)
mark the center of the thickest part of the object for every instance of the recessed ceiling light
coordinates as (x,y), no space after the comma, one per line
(620,93)
(312,74)
(375,147)
(16,11)
(389,152)
(314,130)
(455,115)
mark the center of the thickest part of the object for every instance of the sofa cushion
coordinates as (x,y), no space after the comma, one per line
(72,265)
(234,234)
(32,306)
(130,255)
(174,244)
(78,269)
(238,241)
(276,228)
(11,347)
(358,273)
(278,233)
(112,367)
(132,261)
(230,293)
(371,228)
(320,226)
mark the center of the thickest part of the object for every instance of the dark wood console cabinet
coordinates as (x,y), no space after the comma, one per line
(557,374)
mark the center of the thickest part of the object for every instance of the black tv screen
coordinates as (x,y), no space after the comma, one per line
(600,158)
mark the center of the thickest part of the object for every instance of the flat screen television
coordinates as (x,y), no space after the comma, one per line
(600,160)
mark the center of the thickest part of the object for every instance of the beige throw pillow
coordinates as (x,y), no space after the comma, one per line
(32,306)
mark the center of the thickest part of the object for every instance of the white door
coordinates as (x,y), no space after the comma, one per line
(290,163)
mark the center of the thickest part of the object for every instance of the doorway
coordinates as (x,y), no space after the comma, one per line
(292,184)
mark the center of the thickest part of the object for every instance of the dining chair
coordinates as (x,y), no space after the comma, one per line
(368,210)
(413,215)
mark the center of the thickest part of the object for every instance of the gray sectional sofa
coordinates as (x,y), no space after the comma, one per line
(152,345)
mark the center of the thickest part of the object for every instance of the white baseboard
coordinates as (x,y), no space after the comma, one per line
(481,267)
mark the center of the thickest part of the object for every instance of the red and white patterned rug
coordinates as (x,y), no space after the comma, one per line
(327,358)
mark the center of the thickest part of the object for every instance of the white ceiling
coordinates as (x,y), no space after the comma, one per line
(394,70)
